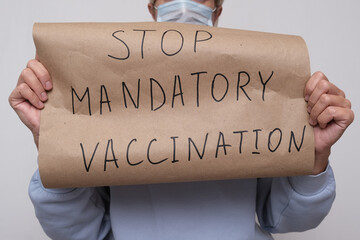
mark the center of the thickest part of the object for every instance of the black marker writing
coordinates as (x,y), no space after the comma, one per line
(143,40)
(127,48)
(213,87)
(197,86)
(124,87)
(201,40)
(242,86)
(180,93)
(264,83)
(110,142)
(256,131)
(152,95)
(127,154)
(87,92)
(104,92)
(162,43)
(148,154)
(190,141)
(174,149)
(223,144)
(87,167)
(292,139)
(270,146)
(241,138)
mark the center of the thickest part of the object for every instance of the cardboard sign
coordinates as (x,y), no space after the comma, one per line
(139,103)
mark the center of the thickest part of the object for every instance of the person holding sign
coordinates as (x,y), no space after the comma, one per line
(194,210)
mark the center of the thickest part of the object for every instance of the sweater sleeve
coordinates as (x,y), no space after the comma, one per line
(294,204)
(79,213)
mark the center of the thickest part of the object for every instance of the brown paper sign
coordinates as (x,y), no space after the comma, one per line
(139,103)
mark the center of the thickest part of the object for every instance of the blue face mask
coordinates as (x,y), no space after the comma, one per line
(185,11)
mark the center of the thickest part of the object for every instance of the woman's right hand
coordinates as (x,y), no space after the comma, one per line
(28,98)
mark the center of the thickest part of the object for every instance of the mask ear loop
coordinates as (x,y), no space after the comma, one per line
(215,24)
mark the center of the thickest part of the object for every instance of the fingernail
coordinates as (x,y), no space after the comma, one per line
(309,109)
(41,104)
(307,98)
(43,96)
(311,121)
(48,85)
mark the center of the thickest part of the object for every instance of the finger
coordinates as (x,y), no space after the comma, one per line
(325,101)
(33,82)
(311,84)
(343,117)
(323,87)
(41,73)
(23,91)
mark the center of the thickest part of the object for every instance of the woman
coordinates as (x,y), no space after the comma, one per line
(198,210)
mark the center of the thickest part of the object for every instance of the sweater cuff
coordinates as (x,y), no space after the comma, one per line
(312,184)
(36,178)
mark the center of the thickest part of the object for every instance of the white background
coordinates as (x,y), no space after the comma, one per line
(330,28)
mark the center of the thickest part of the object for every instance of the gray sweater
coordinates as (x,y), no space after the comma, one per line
(195,210)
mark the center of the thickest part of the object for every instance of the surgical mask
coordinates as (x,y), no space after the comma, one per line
(185,11)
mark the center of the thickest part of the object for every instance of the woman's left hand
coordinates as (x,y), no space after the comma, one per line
(330,115)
